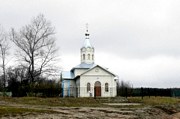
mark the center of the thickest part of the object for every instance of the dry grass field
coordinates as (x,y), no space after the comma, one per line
(90,108)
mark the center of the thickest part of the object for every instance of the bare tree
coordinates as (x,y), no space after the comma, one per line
(36,46)
(4,48)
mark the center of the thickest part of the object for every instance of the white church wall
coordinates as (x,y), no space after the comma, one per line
(97,70)
(102,79)
(79,71)
(101,76)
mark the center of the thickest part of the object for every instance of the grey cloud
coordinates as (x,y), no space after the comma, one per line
(130,29)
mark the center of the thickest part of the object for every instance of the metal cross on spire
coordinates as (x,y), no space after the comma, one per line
(86,27)
(86,34)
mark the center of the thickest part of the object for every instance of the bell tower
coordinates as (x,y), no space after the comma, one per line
(87,50)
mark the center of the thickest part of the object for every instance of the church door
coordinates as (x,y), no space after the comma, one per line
(97,89)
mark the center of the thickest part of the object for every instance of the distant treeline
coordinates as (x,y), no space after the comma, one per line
(126,90)
(169,92)
(20,88)
(41,88)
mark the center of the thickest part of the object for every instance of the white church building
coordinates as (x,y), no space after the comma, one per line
(88,79)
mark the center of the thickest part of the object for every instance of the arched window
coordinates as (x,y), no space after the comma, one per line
(92,57)
(88,56)
(83,56)
(106,87)
(88,87)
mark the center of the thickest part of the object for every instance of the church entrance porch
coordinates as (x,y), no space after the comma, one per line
(97,89)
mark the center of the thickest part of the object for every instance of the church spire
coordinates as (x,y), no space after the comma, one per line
(87,41)
(87,50)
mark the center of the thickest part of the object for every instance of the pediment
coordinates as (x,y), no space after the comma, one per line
(98,70)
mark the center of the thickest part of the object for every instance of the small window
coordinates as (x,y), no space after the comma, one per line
(106,87)
(88,87)
(88,56)
(92,57)
(83,56)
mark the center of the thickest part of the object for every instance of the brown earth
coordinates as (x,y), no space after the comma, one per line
(145,112)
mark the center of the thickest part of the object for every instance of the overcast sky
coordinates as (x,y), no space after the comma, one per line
(139,40)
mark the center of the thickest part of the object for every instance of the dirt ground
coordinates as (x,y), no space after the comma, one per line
(146,112)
